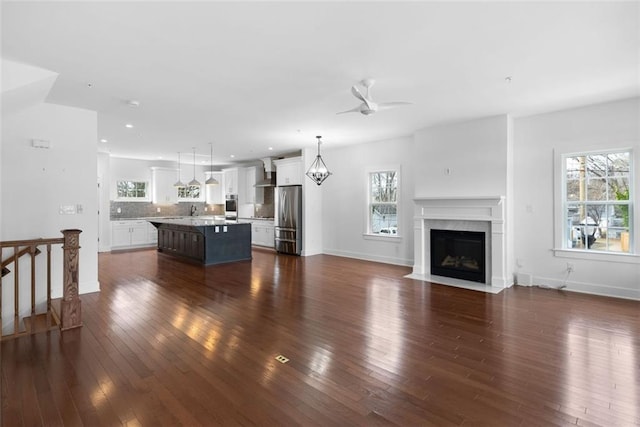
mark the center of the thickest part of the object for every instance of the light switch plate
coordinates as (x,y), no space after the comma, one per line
(67,210)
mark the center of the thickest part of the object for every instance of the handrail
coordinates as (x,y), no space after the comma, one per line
(13,257)
(71,315)
(37,242)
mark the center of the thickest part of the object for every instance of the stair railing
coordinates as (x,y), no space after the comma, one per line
(70,315)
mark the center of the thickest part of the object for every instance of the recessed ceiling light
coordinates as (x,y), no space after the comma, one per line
(270,148)
(128,126)
(133,103)
(232,156)
(103,140)
(159,157)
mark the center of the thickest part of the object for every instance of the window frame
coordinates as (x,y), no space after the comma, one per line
(368,234)
(191,199)
(147,189)
(561,204)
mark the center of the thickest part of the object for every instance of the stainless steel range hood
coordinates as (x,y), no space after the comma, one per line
(270,176)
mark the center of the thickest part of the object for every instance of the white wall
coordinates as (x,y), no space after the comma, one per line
(473,158)
(312,213)
(344,201)
(474,152)
(104,166)
(36,182)
(598,127)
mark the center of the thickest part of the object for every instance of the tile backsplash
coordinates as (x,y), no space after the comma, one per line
(145,210)
(130,210)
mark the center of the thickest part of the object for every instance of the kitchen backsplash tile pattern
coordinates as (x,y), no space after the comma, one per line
(145,210)
(266,209)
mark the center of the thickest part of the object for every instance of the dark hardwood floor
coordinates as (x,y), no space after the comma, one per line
(171,343)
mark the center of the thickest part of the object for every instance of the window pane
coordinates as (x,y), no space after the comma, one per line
(575,189)
(596,166)
(384,218)
(619,188)
(384,187)
(575,167)
(594,178)
(131,189)
(597,189)
(618,164)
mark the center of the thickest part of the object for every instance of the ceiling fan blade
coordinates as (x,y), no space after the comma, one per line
(389,105)
(353,110)
(356,92)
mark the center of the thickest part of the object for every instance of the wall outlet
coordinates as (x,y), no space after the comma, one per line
(119,210)
(157,209)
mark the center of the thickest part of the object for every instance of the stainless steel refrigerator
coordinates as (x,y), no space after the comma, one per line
(289,219)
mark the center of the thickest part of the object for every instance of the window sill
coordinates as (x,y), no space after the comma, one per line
(597,256)
(396,238)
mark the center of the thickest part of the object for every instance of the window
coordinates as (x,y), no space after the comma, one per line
(136,190)
(597,201)
(383,203)
(189,192)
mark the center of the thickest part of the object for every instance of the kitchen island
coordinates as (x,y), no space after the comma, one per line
(204,240)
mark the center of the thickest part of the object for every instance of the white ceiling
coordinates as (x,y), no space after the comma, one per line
(252,75)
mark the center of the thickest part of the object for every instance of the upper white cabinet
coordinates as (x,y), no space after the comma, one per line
(162,180)
(289,171)
(230,181)
(214,194)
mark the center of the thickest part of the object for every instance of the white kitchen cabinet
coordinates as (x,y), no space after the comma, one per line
(215,193)
(129,234)
(289,171)
(230,181)
(163,191)
(262,234)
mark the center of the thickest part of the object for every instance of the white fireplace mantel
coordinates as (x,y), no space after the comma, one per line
(479,213)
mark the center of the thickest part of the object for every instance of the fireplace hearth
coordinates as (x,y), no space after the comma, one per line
(458,254)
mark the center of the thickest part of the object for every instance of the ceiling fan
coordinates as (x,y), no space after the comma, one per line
(368,106)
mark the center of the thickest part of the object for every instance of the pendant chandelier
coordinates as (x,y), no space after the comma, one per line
(179,184)
(318,171)
(211,180)
(194,182)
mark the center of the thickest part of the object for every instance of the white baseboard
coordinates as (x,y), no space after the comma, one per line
(369,257)
(587,288)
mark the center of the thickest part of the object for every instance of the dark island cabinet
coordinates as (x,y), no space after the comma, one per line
(204,242)
(189,244)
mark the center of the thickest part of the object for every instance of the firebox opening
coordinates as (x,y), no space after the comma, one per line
(458,254)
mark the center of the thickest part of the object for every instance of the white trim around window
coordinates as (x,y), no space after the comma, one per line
(397,228)
(561,247)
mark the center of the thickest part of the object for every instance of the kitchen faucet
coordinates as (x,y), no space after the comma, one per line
(193,209)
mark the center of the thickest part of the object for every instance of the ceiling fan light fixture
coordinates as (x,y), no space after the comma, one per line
(179,183)
(211,180)
(318,171)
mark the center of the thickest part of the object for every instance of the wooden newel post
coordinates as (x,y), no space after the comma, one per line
(71,316)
